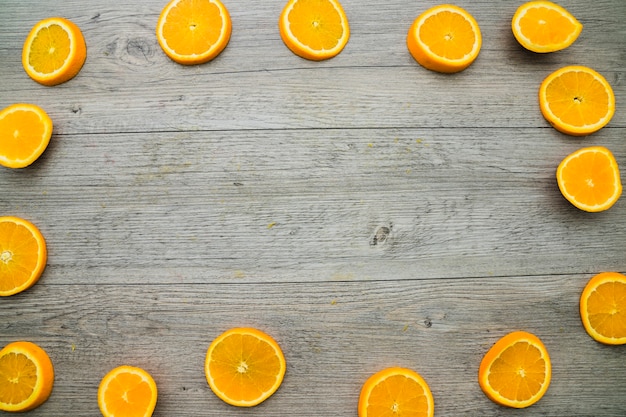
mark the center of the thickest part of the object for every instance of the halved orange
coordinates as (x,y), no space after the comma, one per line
(396,392)
(444,38)
(54,51)
(576,100)
(127,391)
(516,371)
(244,366)
(25,131)
(603,308)
(23,255)
(193,31)
(26,376)
(314,29)
(542,26)
(589,179)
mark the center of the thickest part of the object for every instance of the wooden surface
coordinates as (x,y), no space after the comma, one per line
(364,211)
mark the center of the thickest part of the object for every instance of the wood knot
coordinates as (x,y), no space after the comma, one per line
(381,234)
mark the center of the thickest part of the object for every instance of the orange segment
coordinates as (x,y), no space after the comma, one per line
(54,51)
(23,255)
(314,29)
(576,100)
(244,366)
(396,392)
(603,308)
(26,376)
(127,391)
(542,26)
(589,179)
(25,131)
(193,31)
(516,371)
(444,38)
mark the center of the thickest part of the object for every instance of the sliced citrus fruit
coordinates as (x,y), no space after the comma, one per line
(314,29)
(193,31)
(603,308)
(444,38)
(127,391)
(54,51)
(542,26)
(23,255)
(576,100)
(589,179)
(516,371)
(244,366)
(396,392)
(25,131)
(26,376)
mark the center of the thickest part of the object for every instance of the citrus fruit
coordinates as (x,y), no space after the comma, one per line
(244,366)
(127,391)
(396,392)
(589,179)
(54,51)
(444,38)
(603,308)
(314,29)
(193,31)
(23,255)
(516,371)
(576,100)
(542,26)
(26,376)
(25,131)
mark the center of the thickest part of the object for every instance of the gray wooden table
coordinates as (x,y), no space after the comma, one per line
(364,211)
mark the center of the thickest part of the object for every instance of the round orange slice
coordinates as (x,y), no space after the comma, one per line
(193,31)
(127,391)
(314,29)
(396,392)
(603,308)
(23,255)
(576,100)
(444,38)
(244,366)
(25,131)
(54,51)
(26,376)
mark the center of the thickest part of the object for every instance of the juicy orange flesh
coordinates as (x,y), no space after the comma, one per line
(193,27)
(316,24)
(578,98)
(590,178)
(544,26)
(18,255)
(397,395)
(606,308)
(20,134)
(127,395)
(519,372)
(18,376)
(244,367)
(448,35)
(49,49)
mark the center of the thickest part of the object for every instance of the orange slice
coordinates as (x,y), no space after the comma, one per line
(314,29)
(127,391)
(589,179)
(244,366)
(516,371)
(444,38)
(25,131)
(26,376)
(23,255)
(193,31)
(603,308)
(54,51)
(576,100)
(542,26)
(396,392)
